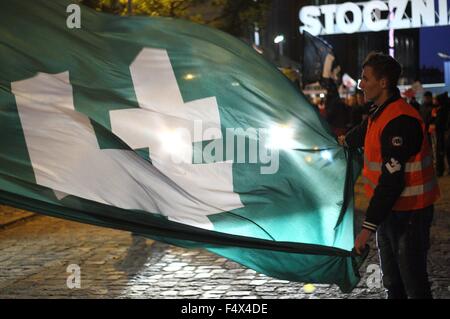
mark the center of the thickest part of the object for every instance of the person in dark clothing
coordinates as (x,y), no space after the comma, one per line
(337,112)
(363,104)
(338,115)
(400,180)
(440,123)
(356,112)
(426,107)
(414,103)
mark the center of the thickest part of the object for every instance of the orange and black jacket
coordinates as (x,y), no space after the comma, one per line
(401,139)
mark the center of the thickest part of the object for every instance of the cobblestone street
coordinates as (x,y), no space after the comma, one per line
(36,251)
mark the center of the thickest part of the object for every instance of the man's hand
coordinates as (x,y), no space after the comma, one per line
(341,140)
(361,240)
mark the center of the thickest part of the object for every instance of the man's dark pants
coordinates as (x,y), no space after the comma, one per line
(403,242)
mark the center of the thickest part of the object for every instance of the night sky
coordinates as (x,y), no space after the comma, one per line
(432,41)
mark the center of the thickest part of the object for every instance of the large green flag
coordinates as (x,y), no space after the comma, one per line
(174,131)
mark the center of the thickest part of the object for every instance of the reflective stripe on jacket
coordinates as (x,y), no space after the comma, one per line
(421,187)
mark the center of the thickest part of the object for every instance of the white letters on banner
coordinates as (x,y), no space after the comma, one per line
(369,16)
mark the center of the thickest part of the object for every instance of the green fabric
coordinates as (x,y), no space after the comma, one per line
(295,224)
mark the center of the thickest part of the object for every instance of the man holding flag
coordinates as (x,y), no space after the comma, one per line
(399,180)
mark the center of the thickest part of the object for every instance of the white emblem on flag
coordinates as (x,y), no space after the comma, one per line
(66,157)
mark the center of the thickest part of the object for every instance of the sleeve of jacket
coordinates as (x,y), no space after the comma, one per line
(400,139)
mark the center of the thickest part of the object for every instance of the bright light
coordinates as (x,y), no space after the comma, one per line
(326,155)
(281,137)
(257,39)
(322,95)
(189,77)
(278,39)
(173,142)
(309,288)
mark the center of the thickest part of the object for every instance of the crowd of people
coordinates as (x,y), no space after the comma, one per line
(346,113)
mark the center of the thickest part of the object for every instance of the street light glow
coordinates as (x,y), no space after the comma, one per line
(189,77)
(278,39)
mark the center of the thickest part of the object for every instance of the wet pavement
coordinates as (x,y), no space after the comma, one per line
(41,256)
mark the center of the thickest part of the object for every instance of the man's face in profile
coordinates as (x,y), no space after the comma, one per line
(370,85)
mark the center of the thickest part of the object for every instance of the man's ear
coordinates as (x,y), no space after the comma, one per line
(384,83)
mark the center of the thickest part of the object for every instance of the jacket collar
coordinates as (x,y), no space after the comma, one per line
(376,110)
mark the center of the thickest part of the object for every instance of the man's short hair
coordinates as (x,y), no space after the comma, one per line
(384,66)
